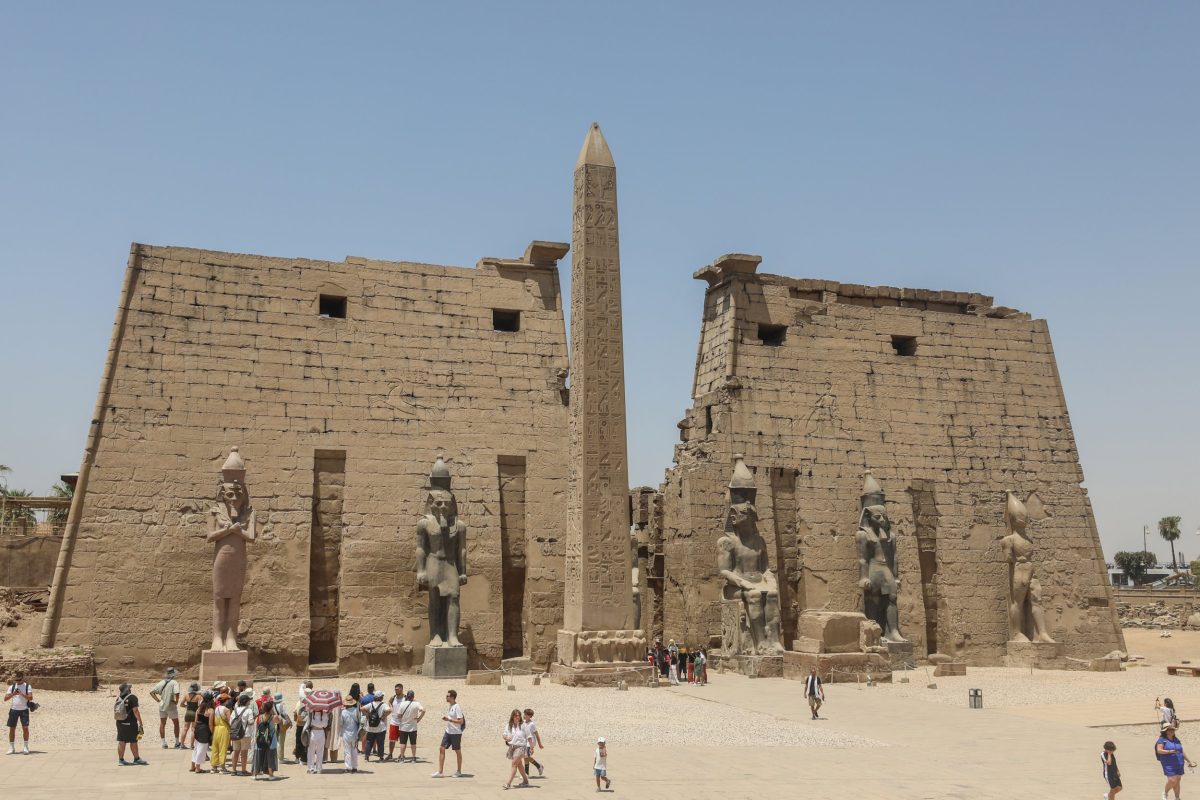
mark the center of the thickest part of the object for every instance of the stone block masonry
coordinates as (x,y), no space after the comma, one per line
(339,381)
(948,399)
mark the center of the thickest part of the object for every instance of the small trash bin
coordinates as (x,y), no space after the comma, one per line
(975,698)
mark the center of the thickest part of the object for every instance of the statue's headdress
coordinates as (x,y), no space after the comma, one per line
(234,468)
(1014,510)
(439,476)
(741,485)
(872,493)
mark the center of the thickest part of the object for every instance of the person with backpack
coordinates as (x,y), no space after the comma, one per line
(266,741)
(189,704)
(166,694)
(349,724)
(456,723)
(129,725)
(375,725)
(20,693)
(241,722)
(283,726)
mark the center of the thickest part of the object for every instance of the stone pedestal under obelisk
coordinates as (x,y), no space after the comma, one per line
(598,645)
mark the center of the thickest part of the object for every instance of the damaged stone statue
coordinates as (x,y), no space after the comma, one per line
(1027,619)
(750,611)
(442,557)
(230,527)
(878,573)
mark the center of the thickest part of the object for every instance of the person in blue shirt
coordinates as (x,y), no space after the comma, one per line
(1172,758)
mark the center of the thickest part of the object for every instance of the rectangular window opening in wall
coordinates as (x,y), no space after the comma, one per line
(772,335)
(330,306)
(904,345)
(507,321)
(708,420)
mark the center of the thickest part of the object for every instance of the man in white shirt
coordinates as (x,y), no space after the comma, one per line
(166,694)
(21,694)
(319,723)
(396,704)
(411,713)
(452,738)
(814,691)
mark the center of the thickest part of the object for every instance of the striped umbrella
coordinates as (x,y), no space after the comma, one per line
(323,700)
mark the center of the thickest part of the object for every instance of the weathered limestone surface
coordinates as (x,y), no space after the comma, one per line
(225,348)
(948,398)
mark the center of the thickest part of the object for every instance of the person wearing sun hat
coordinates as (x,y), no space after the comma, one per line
(349,724)
(1171,757)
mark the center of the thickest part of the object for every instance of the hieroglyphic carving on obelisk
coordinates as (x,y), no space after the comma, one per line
(598,591)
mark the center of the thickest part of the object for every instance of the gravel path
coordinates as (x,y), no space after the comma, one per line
(71,720)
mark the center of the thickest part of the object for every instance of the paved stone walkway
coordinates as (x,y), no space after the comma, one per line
(926,750)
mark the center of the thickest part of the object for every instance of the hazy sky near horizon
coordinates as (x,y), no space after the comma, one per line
(1047,154)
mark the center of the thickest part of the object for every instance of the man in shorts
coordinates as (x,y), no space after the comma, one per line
(410,716)
(534,738)
(20,695)
(452,738)
(395,705)
(166,694)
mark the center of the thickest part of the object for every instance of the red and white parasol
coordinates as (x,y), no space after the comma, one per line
(323,700)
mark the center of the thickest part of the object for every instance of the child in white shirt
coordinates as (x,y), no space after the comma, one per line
(600,765)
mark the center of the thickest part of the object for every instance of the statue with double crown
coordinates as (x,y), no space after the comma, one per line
(230,528)
(442,557)
(878,572)
(1026,618)
(750,610)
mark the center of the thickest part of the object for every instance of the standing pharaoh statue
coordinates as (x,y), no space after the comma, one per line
(751,592)
(1027,619)
(230,527)
(878,574)
(442,557)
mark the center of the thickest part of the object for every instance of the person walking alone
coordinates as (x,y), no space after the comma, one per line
(1171,757)
(19,696)
(1112,775)
(452,738)
(814,691)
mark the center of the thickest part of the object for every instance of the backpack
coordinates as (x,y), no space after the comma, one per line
(121,709)
(237,728)
(373,715)
(263,737)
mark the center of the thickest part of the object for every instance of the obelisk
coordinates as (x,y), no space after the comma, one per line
(598,645)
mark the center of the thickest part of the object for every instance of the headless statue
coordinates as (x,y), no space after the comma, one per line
(1026,617)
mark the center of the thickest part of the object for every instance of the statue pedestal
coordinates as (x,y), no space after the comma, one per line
(1038,655)
(445,662)
(601,658)
(225,665)
(901,655)
(838,667)
(750,665)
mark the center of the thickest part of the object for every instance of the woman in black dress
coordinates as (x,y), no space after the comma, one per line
(203,732)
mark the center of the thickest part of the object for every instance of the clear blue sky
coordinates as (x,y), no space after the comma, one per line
(1045,153)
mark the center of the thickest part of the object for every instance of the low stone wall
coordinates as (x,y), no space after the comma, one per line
(66,668)
(1170,613)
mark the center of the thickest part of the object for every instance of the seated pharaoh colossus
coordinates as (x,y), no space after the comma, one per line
(750,608)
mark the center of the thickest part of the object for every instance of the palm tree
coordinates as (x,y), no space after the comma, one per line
(18,515)
(59,515)
(1168,528)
